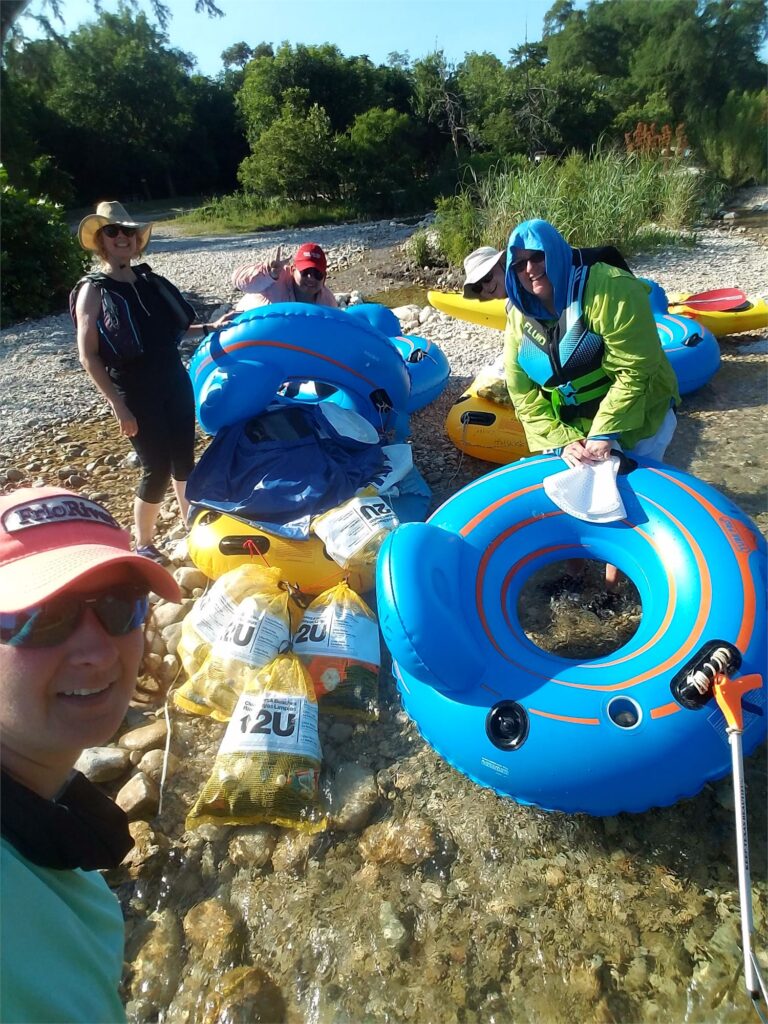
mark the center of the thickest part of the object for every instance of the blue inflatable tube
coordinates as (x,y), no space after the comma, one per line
(237,372)
(692,350)
(618,733)
(426,363)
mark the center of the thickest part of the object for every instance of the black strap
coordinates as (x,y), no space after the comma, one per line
(81,828)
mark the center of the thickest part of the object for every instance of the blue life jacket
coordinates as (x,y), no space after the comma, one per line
(565,357)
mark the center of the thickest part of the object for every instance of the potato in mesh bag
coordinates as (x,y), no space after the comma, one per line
(252,625)
(268,765)
(338,641)
(354,532)
(491,384)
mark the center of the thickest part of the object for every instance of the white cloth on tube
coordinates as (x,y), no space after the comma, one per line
(588,491)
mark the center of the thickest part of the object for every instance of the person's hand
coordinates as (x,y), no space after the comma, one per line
(126,420)
(575,454)
(598,450)
(224,319)
(277,264)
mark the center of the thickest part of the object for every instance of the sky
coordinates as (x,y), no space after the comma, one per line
(375,28)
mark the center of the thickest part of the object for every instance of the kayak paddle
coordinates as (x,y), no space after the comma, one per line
(718,300)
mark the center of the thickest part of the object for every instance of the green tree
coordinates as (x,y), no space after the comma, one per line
(436,98)
(294,158)
(379,155)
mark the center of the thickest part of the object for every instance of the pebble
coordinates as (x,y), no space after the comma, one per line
(147,737)
(139,797)
(103,764)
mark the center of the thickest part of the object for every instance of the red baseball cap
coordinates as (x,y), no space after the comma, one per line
(310,255)
(49,538)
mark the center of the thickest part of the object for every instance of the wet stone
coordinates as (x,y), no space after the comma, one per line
(210,930)
(253,848)
(353,797)
(408,842)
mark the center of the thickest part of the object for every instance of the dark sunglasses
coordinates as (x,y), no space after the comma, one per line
(533,257)
(120,610)
(113,230)
(312,272)
(477,287)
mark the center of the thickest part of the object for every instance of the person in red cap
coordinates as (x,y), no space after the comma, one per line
(73,602)
(283,280)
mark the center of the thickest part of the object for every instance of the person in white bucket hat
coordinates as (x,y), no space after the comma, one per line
(484,274)
(129,322)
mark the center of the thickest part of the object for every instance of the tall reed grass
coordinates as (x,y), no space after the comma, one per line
(241,213)
(628,200)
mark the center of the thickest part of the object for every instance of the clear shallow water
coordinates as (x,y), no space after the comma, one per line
(454,905)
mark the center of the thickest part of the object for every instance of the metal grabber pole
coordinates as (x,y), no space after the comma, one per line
(728,693)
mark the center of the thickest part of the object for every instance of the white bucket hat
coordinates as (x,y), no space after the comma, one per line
(110,213)
(477,265)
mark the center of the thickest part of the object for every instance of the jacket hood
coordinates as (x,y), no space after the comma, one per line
(539,234)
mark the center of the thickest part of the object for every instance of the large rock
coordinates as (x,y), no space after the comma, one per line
(103,764)
(139,797)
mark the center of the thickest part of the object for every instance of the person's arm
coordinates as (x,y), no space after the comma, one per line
(258,277)
(533,408)
(199,331)
(617,308)
(87,311)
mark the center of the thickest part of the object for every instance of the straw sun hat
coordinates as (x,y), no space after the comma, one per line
(110,213)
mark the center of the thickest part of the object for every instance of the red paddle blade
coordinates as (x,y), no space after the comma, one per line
(719,299)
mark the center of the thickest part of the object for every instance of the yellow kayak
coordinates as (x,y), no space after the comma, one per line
(751,316)
(486,313)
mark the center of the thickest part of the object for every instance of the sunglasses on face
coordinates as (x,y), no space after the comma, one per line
(478,286)
(113,230)
(312,272)
(522,263)
(120,610)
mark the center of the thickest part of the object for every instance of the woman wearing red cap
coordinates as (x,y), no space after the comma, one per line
(73,601)
(302,280)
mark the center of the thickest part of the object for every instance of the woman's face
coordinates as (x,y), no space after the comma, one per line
(56,701)
(492,286)
(308,282)
(122,247)
(530,267)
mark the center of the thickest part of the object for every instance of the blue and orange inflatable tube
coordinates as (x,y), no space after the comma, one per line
(237,372)
(618,733)
(425,361)
(692,350)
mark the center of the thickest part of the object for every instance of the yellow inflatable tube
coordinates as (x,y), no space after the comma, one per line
(218,542)
(485,429)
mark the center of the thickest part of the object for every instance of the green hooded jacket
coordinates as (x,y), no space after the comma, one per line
(643,383)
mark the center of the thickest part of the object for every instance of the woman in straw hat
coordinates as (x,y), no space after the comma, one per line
(129,322)
(73,600)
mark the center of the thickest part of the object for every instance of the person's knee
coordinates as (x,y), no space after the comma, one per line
(154,483)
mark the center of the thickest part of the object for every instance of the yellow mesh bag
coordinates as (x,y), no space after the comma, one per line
(268,766)
(338,641)
(249,620)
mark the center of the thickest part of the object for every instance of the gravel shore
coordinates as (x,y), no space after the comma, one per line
(42,385)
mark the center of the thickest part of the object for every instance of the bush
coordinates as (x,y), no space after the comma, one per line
(40,260)
(627,200)
(733,141)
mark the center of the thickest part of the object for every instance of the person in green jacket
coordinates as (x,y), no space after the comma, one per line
(583,362)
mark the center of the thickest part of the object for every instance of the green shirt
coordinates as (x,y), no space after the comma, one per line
(62,945)
(643,383)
